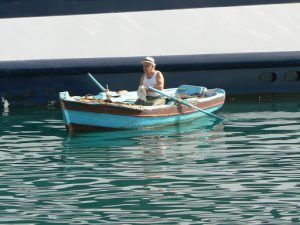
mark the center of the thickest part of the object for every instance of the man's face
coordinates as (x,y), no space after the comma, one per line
(148,67)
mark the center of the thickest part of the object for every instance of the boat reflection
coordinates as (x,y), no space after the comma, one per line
(144,137)
(5,103)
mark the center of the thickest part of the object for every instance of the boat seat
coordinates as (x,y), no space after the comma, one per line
(187,91)
(169,101)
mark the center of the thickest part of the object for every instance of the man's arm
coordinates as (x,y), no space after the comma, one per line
(160,81)
(141,80)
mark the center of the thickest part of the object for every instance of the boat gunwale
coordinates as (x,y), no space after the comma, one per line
(141,111)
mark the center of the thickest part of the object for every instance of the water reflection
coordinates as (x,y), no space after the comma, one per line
(5,104)
(242,171)
(144,153)
(158,136)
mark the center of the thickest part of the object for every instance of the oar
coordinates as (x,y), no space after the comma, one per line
(185,103)
(108,93)
(97,83)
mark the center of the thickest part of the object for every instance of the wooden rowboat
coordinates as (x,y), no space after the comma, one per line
(119,112)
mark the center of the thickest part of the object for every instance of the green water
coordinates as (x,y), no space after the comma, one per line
(245,170)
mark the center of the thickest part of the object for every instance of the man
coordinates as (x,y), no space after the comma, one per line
(153,78)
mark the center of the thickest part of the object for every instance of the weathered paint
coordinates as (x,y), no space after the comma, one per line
(88,116)
(120,109)
(103,120)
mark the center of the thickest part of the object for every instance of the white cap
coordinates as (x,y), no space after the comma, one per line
(149,60)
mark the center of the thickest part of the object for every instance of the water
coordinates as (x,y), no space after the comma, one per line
(245,170)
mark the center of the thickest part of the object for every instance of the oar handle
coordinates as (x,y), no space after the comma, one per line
(185,103)
(96,82)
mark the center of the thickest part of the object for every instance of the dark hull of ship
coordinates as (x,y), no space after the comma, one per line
(34,8)
(38,82)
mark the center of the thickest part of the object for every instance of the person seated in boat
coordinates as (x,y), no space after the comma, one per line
(153,78)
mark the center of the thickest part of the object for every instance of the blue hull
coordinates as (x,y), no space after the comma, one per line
(128,122)
(96,113)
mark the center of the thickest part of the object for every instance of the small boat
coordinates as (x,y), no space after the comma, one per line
(117,110)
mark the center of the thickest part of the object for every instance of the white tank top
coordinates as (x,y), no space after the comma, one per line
(152,83)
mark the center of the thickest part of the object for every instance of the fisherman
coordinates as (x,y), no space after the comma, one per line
(153,78)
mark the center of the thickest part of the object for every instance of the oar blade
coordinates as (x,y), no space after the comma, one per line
(96,82)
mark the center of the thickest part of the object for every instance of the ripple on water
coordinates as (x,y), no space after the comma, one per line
(244,170)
